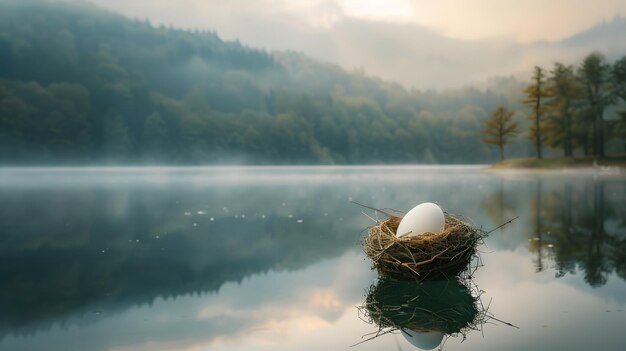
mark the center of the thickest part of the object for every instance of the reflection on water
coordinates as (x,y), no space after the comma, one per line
(269,258)
(576,224)
(64,251)
(424,312)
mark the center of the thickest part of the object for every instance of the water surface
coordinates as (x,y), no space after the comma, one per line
(268,258)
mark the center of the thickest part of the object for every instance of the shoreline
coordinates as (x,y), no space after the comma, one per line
(561,163)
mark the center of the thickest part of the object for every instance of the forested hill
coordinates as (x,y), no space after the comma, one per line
(79,85)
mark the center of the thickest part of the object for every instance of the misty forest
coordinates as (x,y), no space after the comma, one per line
(80,85)
(279,175)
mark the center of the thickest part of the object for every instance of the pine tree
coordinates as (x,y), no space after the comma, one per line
(500,128)
(594,74)
(563,89)
(618,74)
(534,94)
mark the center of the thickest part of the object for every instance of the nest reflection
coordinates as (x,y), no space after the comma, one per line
(424,312)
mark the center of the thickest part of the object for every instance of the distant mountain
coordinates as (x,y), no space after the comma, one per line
(607,37)
(79,85)
(417,56)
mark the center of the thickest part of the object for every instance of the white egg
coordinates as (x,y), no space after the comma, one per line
(423,340)
(423,218)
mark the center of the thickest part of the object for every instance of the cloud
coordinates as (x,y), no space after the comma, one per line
(417,57)
(385,10)
(526,21)
(420,43)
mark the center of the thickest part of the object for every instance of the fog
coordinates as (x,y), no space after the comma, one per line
(419,44)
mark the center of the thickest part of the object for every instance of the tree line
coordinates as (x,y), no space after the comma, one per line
(567,108)
(79,85)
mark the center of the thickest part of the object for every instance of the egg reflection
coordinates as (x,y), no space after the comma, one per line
(424,312)
(425,340)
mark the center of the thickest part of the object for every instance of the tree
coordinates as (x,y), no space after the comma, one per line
(594,74)
(79,85)
(581,132)
(618,74)
(500,128)
(563,89)
(534,92)
(117,143)
(155,137)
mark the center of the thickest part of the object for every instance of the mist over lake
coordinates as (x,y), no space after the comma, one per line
(220,258)
(312,175)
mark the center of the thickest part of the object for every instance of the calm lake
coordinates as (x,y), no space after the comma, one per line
(269,258)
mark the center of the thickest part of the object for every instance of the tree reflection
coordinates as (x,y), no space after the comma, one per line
(499,206)
(537,243)
(597,266)
(65,254)
(577,227)
(619,259)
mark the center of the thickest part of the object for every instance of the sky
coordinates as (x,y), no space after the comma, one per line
(427,44)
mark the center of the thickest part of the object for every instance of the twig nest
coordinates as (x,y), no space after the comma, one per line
(428,256)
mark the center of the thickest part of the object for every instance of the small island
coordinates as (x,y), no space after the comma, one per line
(561,163)
(567,115)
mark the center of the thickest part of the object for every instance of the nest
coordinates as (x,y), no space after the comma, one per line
(450,307)
(428,256)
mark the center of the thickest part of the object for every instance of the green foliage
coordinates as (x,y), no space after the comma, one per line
(594,74)
(79,85)
(568,110)
(500,128)
(43,122)
(619,78)
(535,92)
(618,74)
(564,89)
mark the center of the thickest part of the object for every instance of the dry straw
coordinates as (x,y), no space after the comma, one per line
(423,257)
